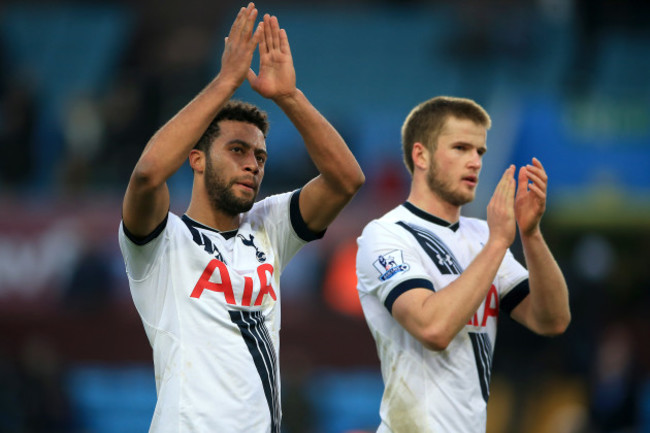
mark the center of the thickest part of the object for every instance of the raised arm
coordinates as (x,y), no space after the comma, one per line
(434,318)
(340,175)
(146,201)
(546,309)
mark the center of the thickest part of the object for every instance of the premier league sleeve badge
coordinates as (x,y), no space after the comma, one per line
(390,264)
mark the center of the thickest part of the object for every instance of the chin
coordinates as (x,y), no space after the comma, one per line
(248,202)
(469,199)
(461,200)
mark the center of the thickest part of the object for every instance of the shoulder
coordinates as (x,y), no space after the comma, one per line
(270,204)
(277,199)
(166,226)
(473,222)
(382,226)
(476,225)
(384,234)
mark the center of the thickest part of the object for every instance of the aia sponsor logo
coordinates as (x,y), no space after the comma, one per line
(218,269)
(490,308)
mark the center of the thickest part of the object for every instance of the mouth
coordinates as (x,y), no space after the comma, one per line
(247,184)
(470,180)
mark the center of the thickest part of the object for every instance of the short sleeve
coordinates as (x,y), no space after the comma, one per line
(283,223)
(512,279)
(387,266)
(140,255)
(298,223)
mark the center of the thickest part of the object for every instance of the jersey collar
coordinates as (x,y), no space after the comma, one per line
(190,222)
(429,217)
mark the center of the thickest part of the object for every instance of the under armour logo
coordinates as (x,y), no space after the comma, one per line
(261,257)
(446,260)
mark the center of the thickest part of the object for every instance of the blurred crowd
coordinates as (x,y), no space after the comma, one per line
(70,136)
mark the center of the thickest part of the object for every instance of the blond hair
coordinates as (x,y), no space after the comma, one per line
(425,121)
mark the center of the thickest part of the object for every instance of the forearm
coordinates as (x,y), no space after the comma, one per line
(446,312)
(549,295)
(170,146)
(147,198)
(327,149)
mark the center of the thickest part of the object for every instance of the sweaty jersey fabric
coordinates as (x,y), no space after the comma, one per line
(430,391)
(210,305)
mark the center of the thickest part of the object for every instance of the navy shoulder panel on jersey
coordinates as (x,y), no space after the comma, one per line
(405,286)
(204,241)
(297,221)
(515,296)
(435,248)
(143,240)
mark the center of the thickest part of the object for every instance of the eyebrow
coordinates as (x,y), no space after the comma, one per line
(467,143)
(247,146)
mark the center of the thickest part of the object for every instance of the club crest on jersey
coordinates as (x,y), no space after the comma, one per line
(261,257)
(390,264)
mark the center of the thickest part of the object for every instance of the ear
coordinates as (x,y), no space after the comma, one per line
(197,160)
(421,156)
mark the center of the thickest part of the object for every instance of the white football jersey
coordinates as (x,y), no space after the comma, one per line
(426,390)
(210,305)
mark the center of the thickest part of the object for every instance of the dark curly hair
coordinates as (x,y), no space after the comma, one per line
(233,110)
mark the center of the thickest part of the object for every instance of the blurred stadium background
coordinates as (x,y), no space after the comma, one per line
(83,85)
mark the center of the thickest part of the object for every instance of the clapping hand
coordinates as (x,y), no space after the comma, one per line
(240,45)
(530,202)
(276,77)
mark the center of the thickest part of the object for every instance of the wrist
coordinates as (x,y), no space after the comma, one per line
(287,100)
(226,83)
(497,245)
(533,233)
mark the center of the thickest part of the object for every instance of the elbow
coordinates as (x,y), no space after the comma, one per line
(146,174)
(360,179)
(557,327)
(436,339)
(353,183)
(561,327)
(344,183)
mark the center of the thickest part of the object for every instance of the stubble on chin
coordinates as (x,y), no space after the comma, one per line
(226,201)
(445,191)
(222,195)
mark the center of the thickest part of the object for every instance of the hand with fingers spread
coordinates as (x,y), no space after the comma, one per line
(500,210)
(276,77)
(240,45)
(530,202)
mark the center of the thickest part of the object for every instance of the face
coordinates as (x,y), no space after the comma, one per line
(456,163)
(235,167)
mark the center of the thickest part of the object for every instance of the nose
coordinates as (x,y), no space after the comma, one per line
(476,160)
(251,164)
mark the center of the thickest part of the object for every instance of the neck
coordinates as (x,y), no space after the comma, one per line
(206,215)
(430,202)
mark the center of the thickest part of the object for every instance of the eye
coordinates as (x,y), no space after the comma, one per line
(261,159)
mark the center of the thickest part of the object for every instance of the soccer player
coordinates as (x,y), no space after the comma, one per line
(432,282)
(206,284)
